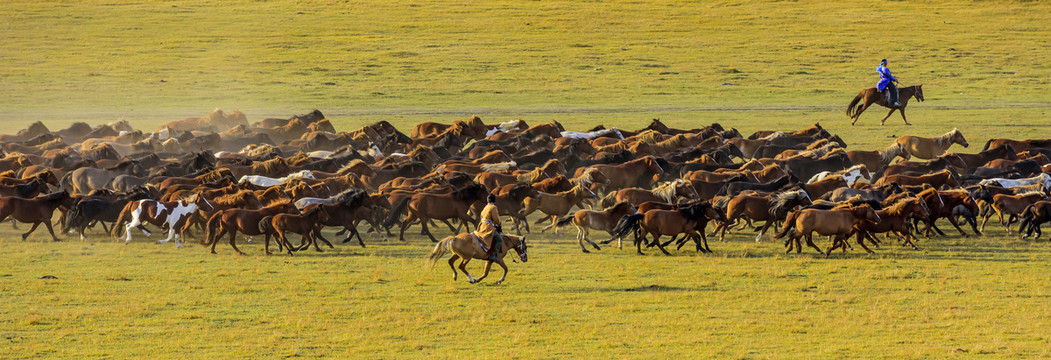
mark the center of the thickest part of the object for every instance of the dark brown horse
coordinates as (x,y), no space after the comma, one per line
(424,206)
(685,220)
(231,221)
(867,97)
(37,210)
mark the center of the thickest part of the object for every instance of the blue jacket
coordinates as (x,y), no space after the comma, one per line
(884,78)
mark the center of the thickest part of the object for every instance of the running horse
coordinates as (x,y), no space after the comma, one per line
(930,148)
(872,96)
(466,246)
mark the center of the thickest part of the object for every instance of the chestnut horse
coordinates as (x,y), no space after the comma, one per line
(929,148)
(231,221)
(872,96)
(684,220)
(466,246)
(585,220)
(838,222)
(424,206)
(632,173)
(38,210)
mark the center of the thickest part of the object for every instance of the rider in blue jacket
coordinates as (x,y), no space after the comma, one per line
(886,83)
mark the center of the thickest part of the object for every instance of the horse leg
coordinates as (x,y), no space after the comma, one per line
(453,267)
(705,239)
(657,239)
(463,267)
(892,110)
(810,243)
(638,243)
(316,234)
(451,228)
(985,219)
(902,112)
(504,266)
(50,230)
(233,243)
(762,231)
(354,232)
(488,267)
(588,239)
(405,224)
(24,236)
(861,241)
(957,225)
(426,230)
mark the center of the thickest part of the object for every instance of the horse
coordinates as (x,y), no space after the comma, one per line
(38,210)
(944,177)
(466,247)
(28,190)
(1013,206)
(972,161)
(632,173)
(929,148)
(850,175)
(668,192)
(269,181)
(557,205)
(950,200)
(684,220)
(99,209)
(424,206)
(606,220)
(1043,179)
(1032,217)
(894,218)
(247,221)
(873,96)
(839,222)
(174,215)
(761,208)
(305,224)
(509,201)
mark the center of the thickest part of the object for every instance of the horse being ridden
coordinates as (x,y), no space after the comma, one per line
(873,96)
(465,246)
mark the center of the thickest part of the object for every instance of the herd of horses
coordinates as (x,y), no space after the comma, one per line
(218,176)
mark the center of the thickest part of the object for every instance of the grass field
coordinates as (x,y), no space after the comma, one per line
(750,65)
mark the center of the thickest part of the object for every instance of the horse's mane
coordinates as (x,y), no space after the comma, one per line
(350,198)
(531,176)
(666,190)
(618,206)
(888,154)
(498,167)
(585,177)
(942,140)
(259,150)
(650,136)
(898,208)
(780,201)
(236,198)
(213,175)
(270,166)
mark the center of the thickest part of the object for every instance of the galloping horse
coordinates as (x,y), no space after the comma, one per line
(872,96)
(466,246)
(929,148)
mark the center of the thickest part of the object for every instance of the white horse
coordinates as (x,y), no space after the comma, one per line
(320,154)
(269,181)
(174,215)
(851,175)
(593,134)
(503,127)
(1043,179)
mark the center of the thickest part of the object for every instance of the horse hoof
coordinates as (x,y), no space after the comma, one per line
(586,251)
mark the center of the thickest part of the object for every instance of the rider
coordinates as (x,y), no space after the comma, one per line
(886,82)
(489,227)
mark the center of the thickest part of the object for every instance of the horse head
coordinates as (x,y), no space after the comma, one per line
(919,92)
(864,211)
(957,137)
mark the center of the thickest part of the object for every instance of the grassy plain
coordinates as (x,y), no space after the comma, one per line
(751,65)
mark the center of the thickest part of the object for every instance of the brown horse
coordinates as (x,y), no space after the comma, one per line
(606,220)
(893,219)
(424,206)
(761,208)
(838,222)
(556,205)
(38,210)
(944,177)
(685,220)
(1012,205)
(929,148)
(668,192)
(509,200)
(872,96)
(876,159)
(305,224)
(466,247)
(638,172)
(231,221)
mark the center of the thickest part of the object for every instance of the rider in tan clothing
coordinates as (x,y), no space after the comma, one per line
(489,227)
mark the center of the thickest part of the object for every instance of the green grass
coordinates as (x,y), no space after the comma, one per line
(984,66)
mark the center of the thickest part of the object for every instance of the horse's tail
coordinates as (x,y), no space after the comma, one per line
(852,108)
(266,225)
(124,214)
(395,213)
(564,221)
(73,218)
(609,200)
(790,223)
(211,228)
(721,202)
(1025,218)
(987,143)
(626,225)
(440,250)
